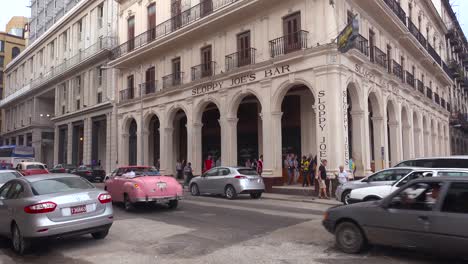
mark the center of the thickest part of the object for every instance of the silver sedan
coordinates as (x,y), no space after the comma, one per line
(229,181)
(52,206)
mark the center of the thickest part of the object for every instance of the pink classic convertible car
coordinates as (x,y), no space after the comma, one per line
(142,184)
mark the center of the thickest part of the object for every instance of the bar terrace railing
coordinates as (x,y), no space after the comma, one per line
(149,87)
(380,57)
(396,8)
(171,25)
(433,53)
(428,92)
(203,70)
(416,33)
(173,79)
(127,94)
(420,86)
(397,70)
(289,43)
(410,79)
(437,98)
(240,58)
(362,44)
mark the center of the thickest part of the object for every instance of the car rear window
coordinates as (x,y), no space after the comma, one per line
(58,185)
(6,176)
(248,172)
(35,167)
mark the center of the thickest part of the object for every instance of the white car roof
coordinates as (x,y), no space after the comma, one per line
(31,163)
(5,171)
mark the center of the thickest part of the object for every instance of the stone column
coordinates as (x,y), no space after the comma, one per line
(123,152)
(394,154)
(379,143)
(141,134)
(358,141)
(194,131)
(272,143)
(167,155)
(229,141)
(37,144)
(406,142)
(56,143)
(109,166)
(145,146)
(70,144)
(87,140)
(427,143)
(417,144)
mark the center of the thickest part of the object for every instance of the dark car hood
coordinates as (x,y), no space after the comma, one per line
(356,205)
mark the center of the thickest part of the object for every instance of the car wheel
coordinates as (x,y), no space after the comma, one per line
(230,192)
(349,238)
(100,234)
(194,190)
(128,206)
(20,244)
(345,196)
(173,204)
(256,195)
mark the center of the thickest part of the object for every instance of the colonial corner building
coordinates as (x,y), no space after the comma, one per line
(169,80)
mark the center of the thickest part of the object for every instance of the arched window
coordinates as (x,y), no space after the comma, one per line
(15,51)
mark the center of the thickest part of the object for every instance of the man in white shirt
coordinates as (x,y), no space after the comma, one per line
(342,175)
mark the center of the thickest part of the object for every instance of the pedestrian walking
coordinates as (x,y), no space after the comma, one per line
(342,175)
(179,170)
(291,168)
(208,164)
(305,165)
(260,165)
(188,174)
(352,166)
(296,168)
(322,177)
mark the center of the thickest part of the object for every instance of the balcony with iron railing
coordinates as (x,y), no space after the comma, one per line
(380,58)
(361,44)
(442,103)
(397,70)
(289,43)
(416,33)
(428,92)
(240,59)
(149,87)
(203,70)
(436,98)
(127,94)
(449,108)
(446,69)
(173,80)
(433,53)
(171,25)
(396,8)
(410,79)
(420,86)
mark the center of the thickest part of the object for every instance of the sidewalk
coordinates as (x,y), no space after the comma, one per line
(300,198)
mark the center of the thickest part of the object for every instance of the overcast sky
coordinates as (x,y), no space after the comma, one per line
(11,8)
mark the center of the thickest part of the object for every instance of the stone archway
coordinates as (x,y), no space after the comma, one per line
(153,140)
(376,131)
(392,133)
(177,141)
(354,124)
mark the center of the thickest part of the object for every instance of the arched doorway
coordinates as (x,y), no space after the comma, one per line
(354,124)
(405,133)
(179,138)
(417,136)
(298,127)
(211,134)
(249,130)
(375,132)
(132,143)
(154,142)
(392,134)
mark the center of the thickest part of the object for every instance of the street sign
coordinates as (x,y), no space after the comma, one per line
(346,38)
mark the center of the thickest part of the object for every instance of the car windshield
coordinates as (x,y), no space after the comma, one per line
(35,167)
(436,163)
(6,176)
(58,185)
(248,172)
(141,172)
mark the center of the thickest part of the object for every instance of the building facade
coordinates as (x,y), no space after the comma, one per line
(196,80)
(16,26)
(59,93)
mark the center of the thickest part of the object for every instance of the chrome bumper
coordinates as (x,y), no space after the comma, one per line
(157,199)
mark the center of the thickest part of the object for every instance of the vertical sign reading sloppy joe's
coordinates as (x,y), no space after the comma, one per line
(322,122)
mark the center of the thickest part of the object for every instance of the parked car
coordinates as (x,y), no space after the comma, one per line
(380,192)
(92,173)
(428,214)
(6,175)
(459,162)
(31,168)
(63,168)
(50,206)
(383,177)
(229,181)
(143,184)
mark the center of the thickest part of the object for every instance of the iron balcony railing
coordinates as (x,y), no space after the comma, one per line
(428,92)
(442,103)
(446,69)
(362,44)
(203,70)
(173,79)
(149,87)
(420,86)
(240,58)
(433,53)
(397,70)
(437,98)
(396,8)
(380,57)
(127,94)
(289,43)
(171,25)
(416,33)
(410,79)
(448,107)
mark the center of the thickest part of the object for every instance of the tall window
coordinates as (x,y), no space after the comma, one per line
(176,11)
(371,45)
(152,21)
(206,61)
(65,42)
(131,33)
(389,58)
(130,87)
(349,16)
(176,71)
(52,51)
(291,30)
(2,46)
(243,48)
(79,29)
(100,15)
(206,7)
(15,51)
(410,11)
(2,61)
(99,75)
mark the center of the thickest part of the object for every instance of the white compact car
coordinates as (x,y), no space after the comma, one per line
(374,193)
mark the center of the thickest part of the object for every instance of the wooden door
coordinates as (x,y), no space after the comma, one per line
(131,33)
(152,22)
(291,31)
(243,49)
(206,67)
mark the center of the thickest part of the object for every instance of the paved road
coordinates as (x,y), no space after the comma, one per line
(212,230)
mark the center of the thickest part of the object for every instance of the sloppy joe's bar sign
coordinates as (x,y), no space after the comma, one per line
(238,80)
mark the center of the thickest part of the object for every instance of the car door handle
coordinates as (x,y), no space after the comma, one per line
(423,218)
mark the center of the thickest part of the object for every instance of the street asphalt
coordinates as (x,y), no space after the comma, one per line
(213,230)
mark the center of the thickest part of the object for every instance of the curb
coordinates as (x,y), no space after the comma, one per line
(313,200)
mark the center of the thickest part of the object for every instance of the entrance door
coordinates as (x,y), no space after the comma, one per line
(291,31)
(243,49)
(131,33)
(150,85)
(206,68)
(152,21)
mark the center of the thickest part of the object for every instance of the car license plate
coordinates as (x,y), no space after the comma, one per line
(78,209)
(161,185)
